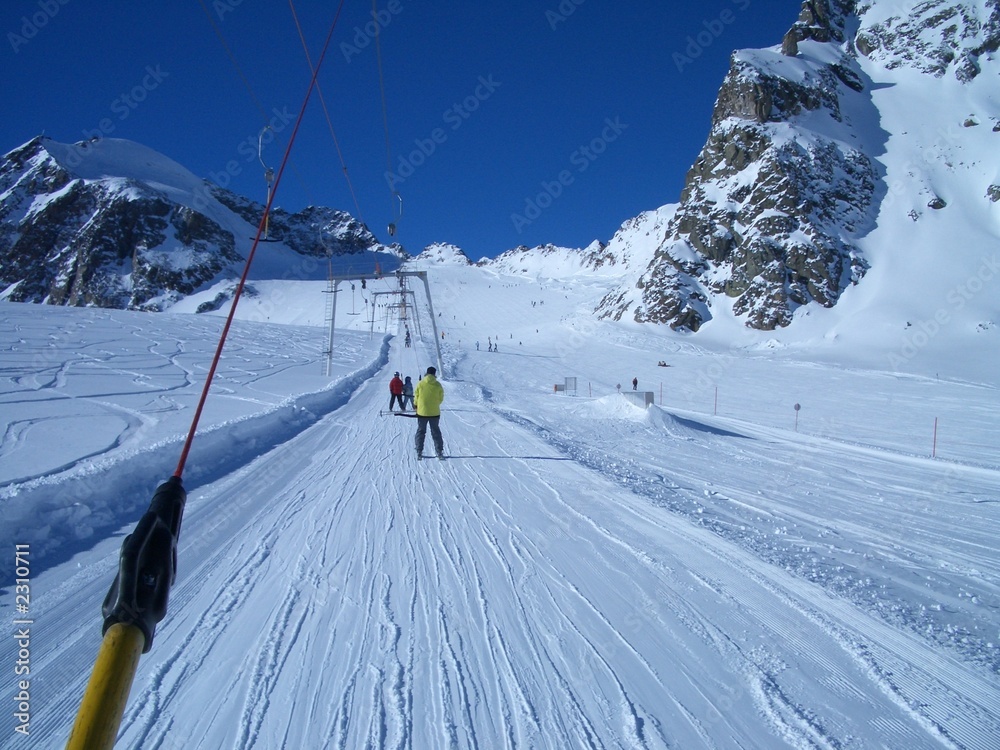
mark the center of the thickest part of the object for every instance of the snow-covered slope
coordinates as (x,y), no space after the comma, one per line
(794,546)
(718,570)
(123,161)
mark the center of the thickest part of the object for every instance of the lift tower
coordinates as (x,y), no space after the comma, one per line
(402,293)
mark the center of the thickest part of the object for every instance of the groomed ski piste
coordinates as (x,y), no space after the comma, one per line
(706,572)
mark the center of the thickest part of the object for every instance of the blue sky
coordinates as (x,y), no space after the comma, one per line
(509,123)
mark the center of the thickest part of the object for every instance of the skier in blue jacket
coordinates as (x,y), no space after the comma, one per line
(407,393)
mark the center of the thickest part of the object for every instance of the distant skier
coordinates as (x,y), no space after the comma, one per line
(396,389)
(407,392)
(635,384)
(407,339)
(427,399)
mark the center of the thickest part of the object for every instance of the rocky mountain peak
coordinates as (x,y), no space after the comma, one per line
(821,21)
(444,252)
(774,203)
(112,223)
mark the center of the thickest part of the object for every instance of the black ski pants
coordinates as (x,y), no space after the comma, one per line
(422,423)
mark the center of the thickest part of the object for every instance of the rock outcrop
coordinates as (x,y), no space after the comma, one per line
(774,203)
(114,224)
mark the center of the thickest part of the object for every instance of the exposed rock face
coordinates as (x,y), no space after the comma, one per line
(107,240)
(820,21)
(937,37)
(69,241)
(781,238)
(315,230)
(772,205)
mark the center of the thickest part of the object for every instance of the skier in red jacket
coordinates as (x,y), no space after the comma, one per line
(396,389)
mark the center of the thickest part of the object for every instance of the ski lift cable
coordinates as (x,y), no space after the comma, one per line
(232,59)
(253,95)
(326,113)
(405,359)
(137,600)
(385,119)
(410,349)
(246,270)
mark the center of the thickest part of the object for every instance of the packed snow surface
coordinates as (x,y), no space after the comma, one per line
(794,546)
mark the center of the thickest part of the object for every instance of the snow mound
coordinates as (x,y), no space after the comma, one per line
(615,406)
(618,408)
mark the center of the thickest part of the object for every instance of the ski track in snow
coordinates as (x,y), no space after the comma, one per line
(726,520)
(537,589)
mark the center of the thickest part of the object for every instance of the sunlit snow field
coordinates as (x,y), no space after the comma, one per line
(716,570)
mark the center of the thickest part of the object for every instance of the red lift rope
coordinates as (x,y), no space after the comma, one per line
(147,565)
(178,472)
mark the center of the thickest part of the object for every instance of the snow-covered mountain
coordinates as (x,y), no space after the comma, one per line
(552,261)
(443,252)
(862,152)
(112,223)
(849,185)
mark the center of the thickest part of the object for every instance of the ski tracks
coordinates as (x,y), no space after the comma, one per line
(335,593)
(514,592)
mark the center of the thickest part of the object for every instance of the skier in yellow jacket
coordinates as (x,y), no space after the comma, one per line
(427,398)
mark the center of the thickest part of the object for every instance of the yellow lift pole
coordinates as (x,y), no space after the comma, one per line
(103,704)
